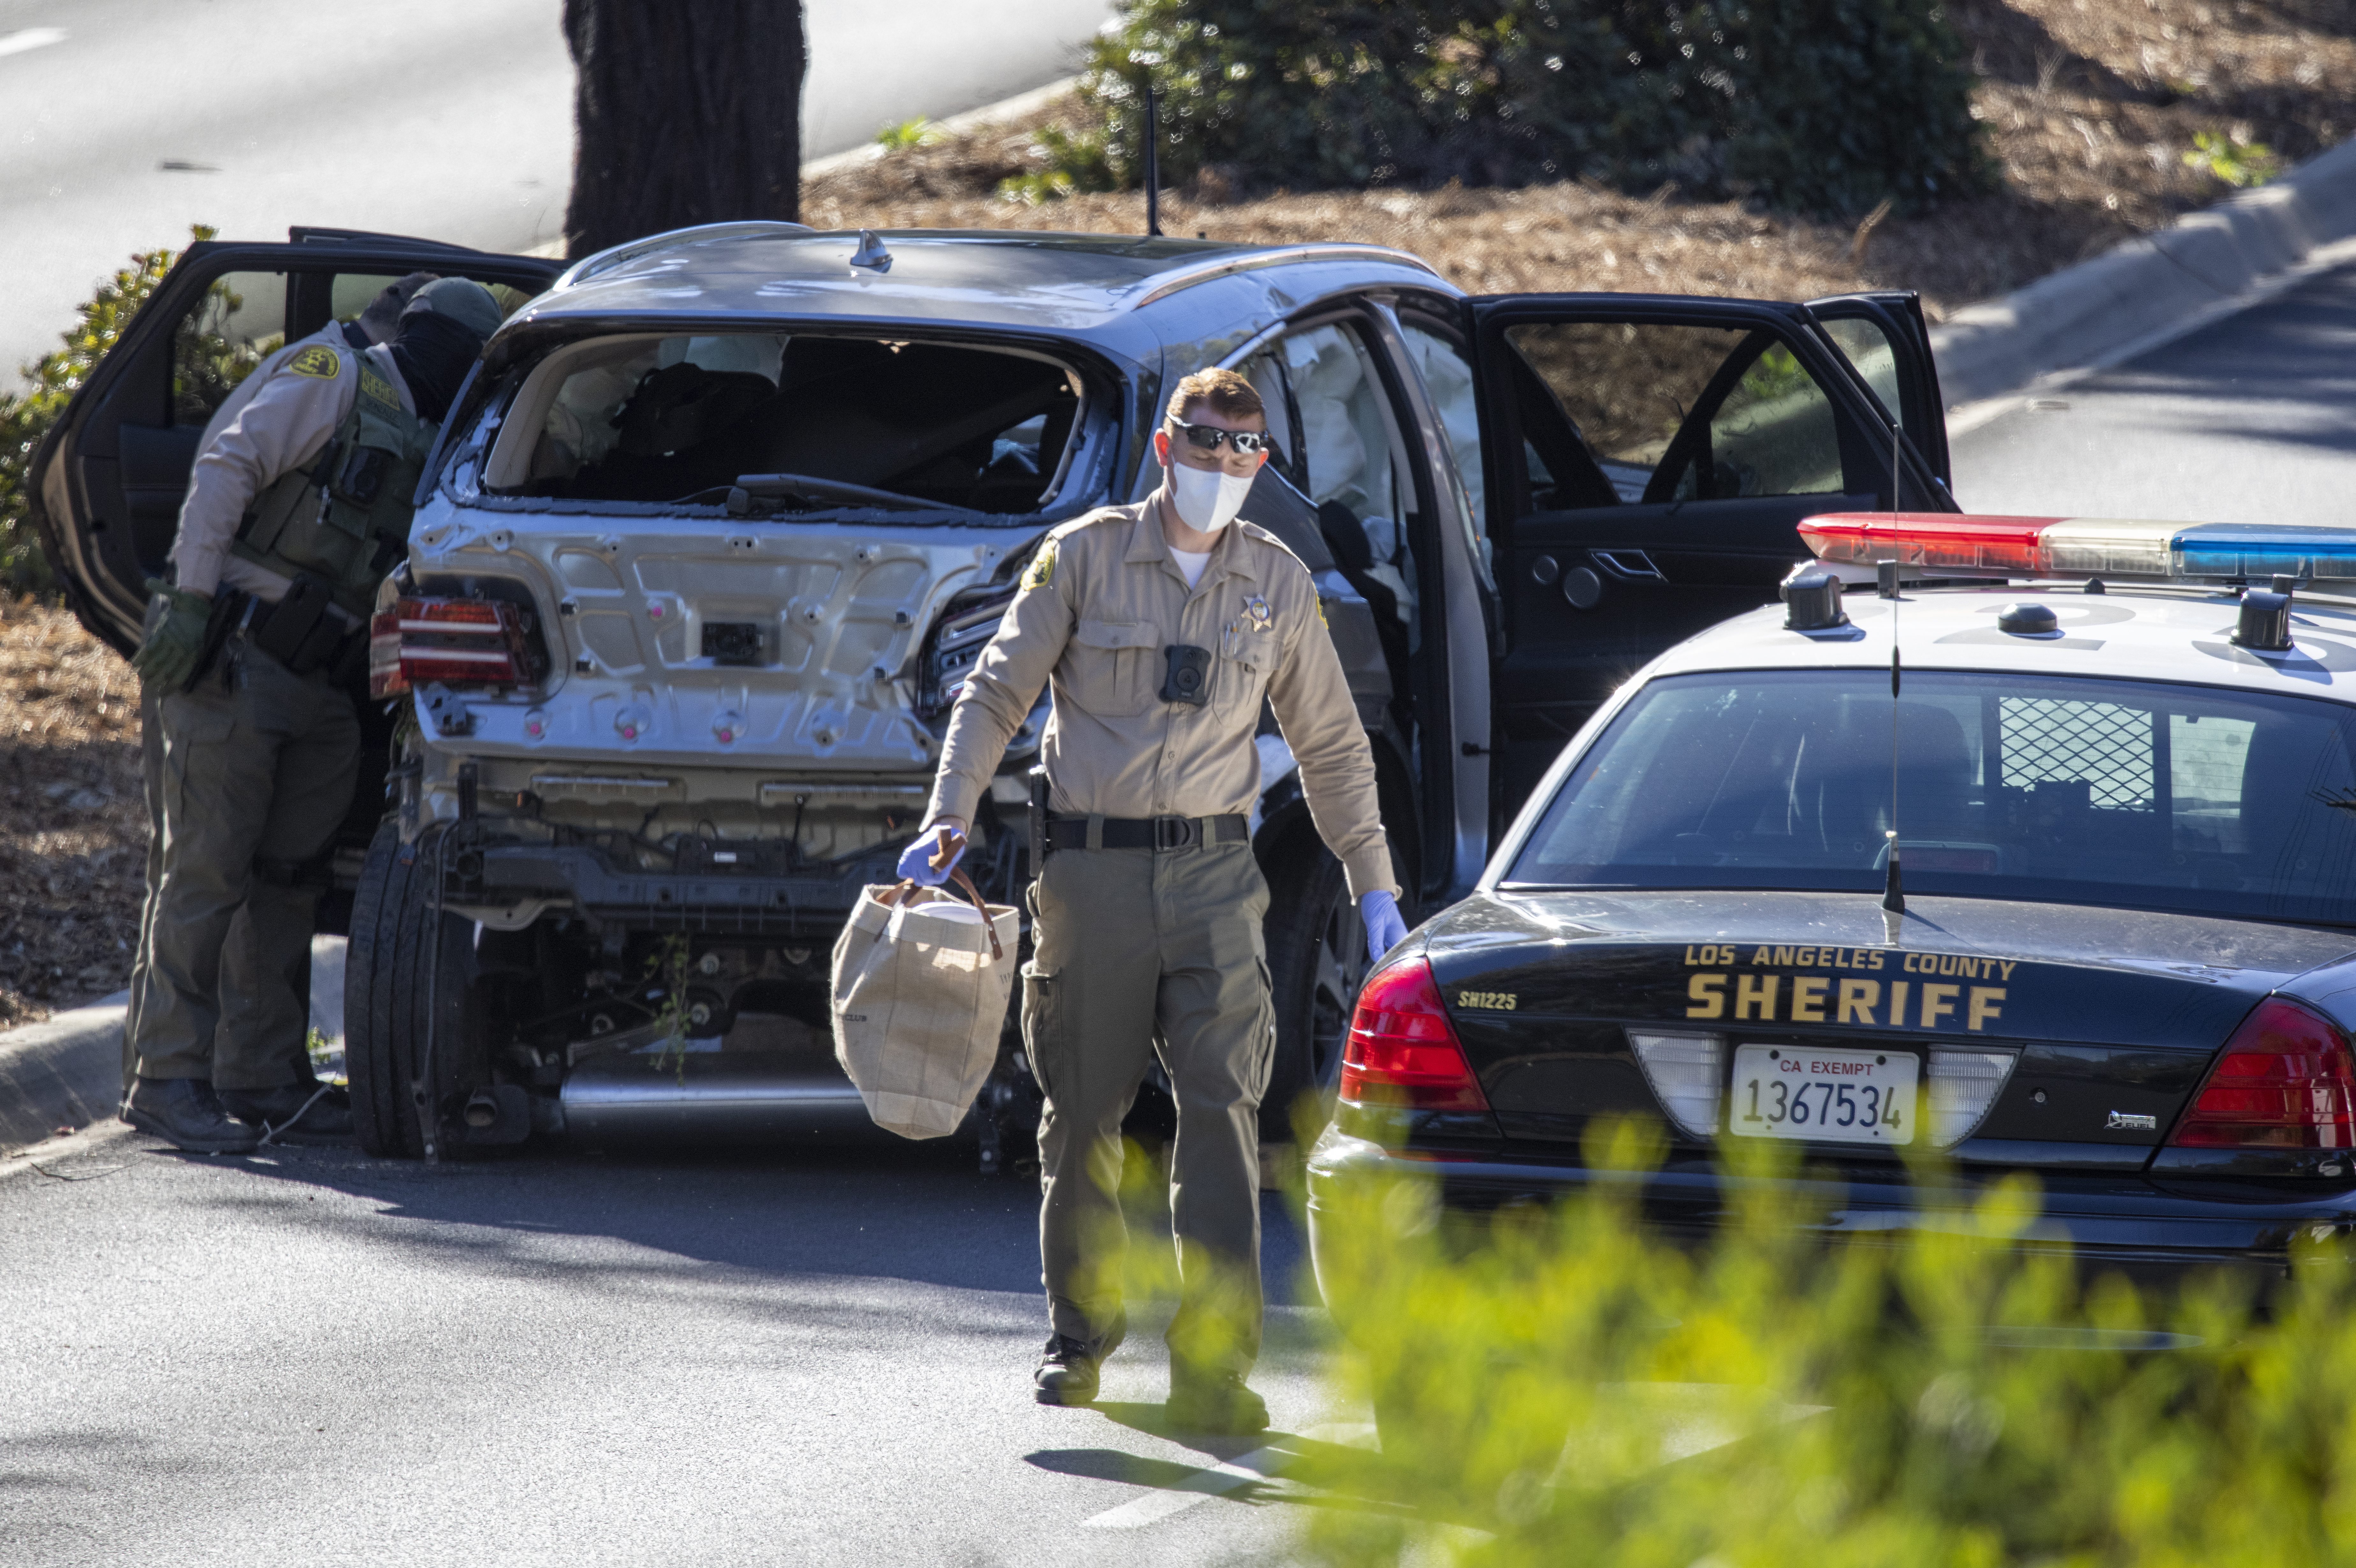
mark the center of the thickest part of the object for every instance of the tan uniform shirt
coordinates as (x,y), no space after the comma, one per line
(275,421)
(1098,605)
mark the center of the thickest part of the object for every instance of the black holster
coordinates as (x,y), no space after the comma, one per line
(228,613)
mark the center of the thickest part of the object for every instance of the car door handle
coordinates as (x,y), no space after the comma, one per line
(1628,565)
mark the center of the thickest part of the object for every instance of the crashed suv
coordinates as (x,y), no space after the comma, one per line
(724,517)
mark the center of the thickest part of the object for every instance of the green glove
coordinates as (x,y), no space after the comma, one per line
(167,660)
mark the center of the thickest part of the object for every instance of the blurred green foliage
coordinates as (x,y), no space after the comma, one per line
(2225,156)
(907,136)
(1566,1385)
(207,364)
(1820,105)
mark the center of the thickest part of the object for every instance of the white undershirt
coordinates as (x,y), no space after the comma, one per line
(1192,562)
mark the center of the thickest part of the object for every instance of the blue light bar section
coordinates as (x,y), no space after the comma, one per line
(2256,551)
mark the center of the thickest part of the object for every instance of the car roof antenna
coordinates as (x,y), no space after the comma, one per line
(1894,892)
(1152,163)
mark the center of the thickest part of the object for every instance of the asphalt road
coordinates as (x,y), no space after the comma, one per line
(2252,419)
(126,120)
(311,1358)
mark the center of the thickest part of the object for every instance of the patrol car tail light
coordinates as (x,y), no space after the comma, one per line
(1402,1051)
(456,642)
(1686,1072)
(1939,542)
(2285,1080)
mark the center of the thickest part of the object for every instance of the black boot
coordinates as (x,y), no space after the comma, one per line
(1213,1401)
(1067,1367)
(188,1115)
(310,1114)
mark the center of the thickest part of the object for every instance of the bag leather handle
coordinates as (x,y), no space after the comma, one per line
(893,896)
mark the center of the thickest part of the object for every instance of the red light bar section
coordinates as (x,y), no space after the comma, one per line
(457,642)
(1929,539)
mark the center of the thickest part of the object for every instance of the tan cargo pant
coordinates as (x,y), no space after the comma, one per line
(1138,951)
(250,774)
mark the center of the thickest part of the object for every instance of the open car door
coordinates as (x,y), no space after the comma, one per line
(1646,460)
(106,485)
(1886,341)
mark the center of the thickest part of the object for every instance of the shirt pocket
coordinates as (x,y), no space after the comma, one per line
(1110,667)
(1241,680)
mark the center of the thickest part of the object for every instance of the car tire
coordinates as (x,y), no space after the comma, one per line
(388,1019)
(1316,957)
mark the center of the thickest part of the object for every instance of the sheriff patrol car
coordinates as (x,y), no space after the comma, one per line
(2050,869)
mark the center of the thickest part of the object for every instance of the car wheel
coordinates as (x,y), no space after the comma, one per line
(1316,957)
(387,971)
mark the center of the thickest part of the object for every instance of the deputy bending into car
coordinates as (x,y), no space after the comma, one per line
(1163,626)
(298,504)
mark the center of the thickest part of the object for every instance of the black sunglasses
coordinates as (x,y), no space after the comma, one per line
(1206,438)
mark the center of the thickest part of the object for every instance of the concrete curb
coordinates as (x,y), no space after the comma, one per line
(66,1072)
(2085,315)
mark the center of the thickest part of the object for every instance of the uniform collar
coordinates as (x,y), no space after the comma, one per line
(1147,542)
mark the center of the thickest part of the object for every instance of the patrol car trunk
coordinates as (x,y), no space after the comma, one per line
(2016,1015)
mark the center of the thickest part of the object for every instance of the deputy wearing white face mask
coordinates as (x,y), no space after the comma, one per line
(1164,627)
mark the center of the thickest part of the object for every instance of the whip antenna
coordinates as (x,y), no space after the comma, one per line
(1894,892)
(1152,165)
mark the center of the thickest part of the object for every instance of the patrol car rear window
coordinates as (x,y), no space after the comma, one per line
(2141,793)
(683,419)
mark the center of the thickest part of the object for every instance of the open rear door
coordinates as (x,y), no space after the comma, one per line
(106,485)
(1885,339)
(1646,461)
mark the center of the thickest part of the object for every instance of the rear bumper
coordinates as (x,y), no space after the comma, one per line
(2108,1223)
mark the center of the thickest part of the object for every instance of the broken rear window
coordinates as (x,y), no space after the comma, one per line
(792,420)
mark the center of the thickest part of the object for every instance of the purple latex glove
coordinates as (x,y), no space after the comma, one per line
(930,860)
(1385,929)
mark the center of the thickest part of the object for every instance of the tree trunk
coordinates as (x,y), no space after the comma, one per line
(686,112)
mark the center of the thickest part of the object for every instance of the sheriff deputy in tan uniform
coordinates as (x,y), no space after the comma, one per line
(1163,626)
(298,504)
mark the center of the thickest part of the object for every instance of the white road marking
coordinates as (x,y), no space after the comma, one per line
(1259,1465)
(18,42)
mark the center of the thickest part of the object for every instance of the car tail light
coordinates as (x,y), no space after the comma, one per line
(456,642)
(1686,1071)
(2285,1080)
(1402,1050)
(1963,1084)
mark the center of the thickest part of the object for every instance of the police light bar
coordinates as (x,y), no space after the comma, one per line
(2081,547)
(457,642)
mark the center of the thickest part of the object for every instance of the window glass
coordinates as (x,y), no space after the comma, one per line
(1448,376)
(1732,409)
(1869,348)
(2181,797)
(351,293)
(682,419)
(240,322)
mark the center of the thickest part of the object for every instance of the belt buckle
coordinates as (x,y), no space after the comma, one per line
(1176,832)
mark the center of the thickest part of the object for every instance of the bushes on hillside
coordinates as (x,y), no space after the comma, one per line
(1820,105)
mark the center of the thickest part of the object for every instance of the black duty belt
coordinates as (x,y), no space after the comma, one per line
(1145,832)
(302,631)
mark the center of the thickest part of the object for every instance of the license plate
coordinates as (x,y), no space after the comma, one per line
(1823,1096)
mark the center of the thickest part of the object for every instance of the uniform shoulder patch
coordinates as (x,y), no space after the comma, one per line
(318,360)
(1041,570)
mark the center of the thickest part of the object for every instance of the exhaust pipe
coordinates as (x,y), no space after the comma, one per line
(723,1096)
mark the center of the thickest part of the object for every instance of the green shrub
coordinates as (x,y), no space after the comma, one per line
(2228,157)
(51,381)
(1575,1388)
(1827,104)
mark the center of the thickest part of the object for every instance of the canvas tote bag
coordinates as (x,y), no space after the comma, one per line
(921,980)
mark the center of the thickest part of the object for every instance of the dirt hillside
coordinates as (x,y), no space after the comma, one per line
(73,828)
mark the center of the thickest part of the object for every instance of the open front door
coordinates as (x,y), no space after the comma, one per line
(1646,461)
(105,487)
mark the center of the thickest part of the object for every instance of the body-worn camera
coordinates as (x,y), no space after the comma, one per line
(1189,677)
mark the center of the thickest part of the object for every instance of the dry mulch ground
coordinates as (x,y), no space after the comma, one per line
(2090,105)
(73,825)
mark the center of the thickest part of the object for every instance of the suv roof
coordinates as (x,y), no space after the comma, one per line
(985,277)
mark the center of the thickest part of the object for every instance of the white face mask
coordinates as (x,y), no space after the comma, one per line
(1207,498)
